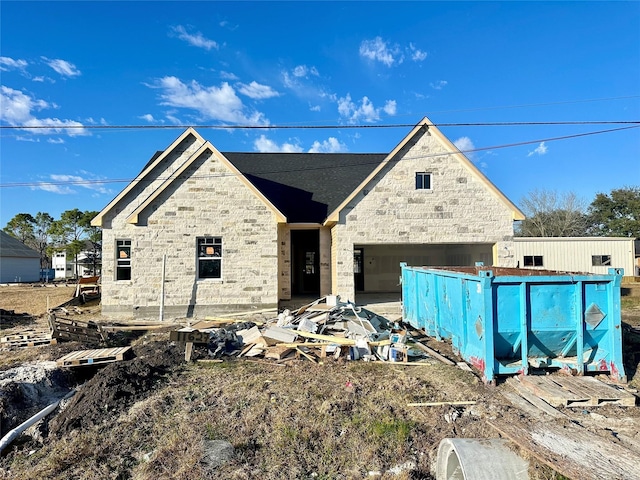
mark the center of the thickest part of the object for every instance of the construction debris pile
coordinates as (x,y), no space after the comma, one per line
(326,327)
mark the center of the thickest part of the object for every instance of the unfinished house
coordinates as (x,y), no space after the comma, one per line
(231,231)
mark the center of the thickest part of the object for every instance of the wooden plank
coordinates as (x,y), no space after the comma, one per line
(551,392)
(571,450)
(431,352)
(277,353)
(439,404)
(533,400)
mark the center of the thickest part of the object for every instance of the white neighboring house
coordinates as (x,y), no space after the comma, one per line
(577,254)
(18,263)
(64,264)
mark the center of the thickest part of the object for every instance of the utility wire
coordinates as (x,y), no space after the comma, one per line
(431,155)
(312,127)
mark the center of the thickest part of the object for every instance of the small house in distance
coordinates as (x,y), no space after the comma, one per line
(245,230)
(577,254)
(18,263)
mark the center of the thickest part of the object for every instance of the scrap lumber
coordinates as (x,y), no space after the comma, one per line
(71,329)
(439,404)
(87,286)
(562,391)
(534,400)
(432,352)
(571,450)
(94,357)
(277,352)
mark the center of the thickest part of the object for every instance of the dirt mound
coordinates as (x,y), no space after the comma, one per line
(27,389)
(117,386)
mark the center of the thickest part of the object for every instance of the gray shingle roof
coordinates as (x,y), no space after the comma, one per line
(12,247)
(305,187)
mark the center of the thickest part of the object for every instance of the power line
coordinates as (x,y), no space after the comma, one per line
(479,149)
(315,127)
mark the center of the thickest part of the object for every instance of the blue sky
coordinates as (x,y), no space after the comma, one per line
(82,68)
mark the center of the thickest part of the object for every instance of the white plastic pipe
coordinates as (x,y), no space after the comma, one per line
(13,434)
(479,459)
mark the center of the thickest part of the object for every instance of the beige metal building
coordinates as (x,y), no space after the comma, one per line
(576,254)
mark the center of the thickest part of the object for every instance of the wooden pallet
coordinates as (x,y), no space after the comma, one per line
(33,342)
(94,357)
(71,329)
(563,391)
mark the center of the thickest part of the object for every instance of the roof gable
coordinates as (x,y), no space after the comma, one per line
(12,247)
(427,124)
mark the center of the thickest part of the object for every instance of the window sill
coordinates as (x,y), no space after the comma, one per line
(210,280)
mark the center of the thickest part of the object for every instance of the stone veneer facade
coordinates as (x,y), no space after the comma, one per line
(459,209)
(208,200)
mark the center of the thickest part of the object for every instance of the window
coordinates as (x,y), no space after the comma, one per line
(533,260)
(123,259)
(423,181)
(601,260)
(209,257)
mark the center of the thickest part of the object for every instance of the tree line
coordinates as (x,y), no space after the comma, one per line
(553,214)
(71,233)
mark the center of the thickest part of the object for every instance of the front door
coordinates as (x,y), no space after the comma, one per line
(305,262)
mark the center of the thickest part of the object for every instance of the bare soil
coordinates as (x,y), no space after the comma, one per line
(152,416)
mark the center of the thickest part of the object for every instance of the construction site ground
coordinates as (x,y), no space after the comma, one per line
(157,416)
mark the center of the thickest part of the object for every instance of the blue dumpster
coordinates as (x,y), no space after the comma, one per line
(510,320)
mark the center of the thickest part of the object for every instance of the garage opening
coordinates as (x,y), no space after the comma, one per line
(377,267)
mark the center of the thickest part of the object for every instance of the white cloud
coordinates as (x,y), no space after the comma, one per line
(439,85)
(217,103)
(465,145)
(330,145)
(256,91)
(147,117)
(228,76)
(539,150)
(304,71)
(416,54)
(64,68)
(17,109)
(315,108)
(378,50)
(64,184)
(366,111)
(195,40)
(7,64)
(55,140)
(265,145)
(390,107)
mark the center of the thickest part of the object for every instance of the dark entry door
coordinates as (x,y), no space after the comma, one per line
(358,269)
(305,262)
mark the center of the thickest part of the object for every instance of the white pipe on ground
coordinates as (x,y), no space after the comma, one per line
(479,459)
(13,434)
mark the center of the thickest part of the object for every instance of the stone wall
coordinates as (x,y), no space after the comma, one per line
(208,200)
(459,208)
